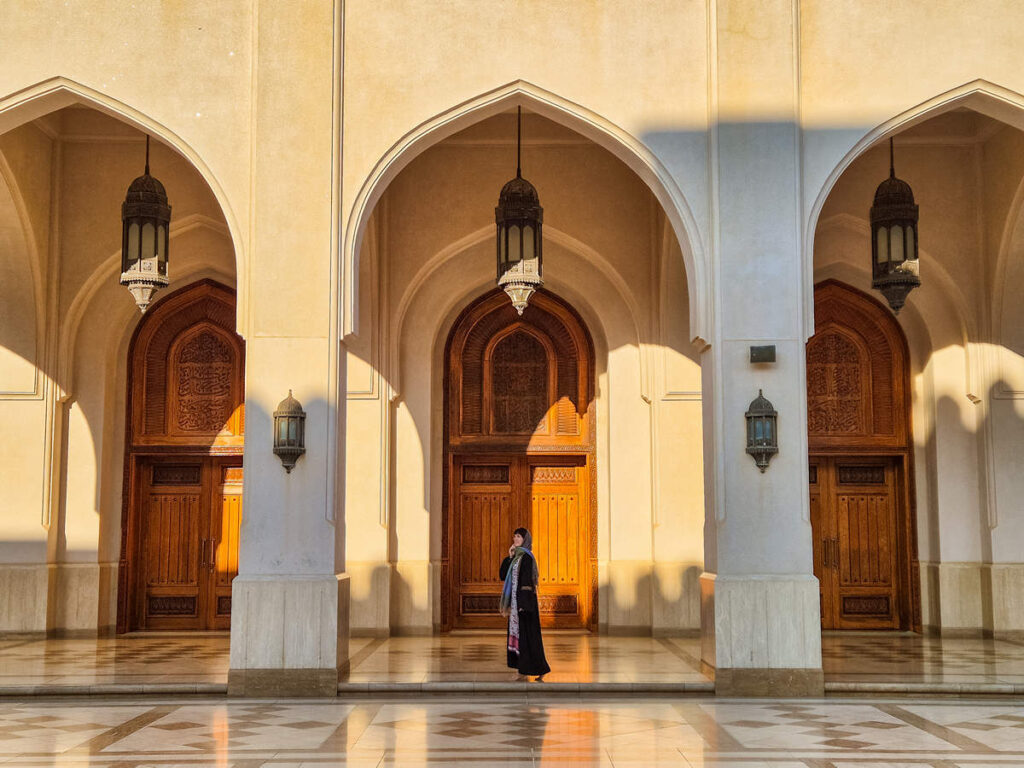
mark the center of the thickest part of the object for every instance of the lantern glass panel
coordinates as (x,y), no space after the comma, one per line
(883,245)
(769,428)
(293,431)
(911,249)
(148,241)
(896,233)
(161,249)
(515,244)
(527,242)
(133,246)
(282,431)
(502,249)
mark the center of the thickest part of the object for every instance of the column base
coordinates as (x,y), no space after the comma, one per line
(289,634)
(268,683)
(777,683)
(762,634)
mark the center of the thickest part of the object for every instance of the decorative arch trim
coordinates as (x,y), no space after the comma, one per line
(982,96)
(55,93)
(619,142)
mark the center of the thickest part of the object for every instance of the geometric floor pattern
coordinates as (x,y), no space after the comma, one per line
(167,658)
(512,732)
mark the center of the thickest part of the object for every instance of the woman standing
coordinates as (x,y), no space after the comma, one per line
(519,603)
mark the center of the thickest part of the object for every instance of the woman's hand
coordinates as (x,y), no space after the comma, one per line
(512,551)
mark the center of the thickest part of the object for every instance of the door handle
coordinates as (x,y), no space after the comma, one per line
(213,554)
(202,553)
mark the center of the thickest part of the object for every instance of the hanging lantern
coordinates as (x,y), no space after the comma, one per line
(146,216)
(894,264)
(519,217)
(289,431)
(762,431)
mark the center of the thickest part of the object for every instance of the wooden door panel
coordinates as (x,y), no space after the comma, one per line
(483,522)
(853,519)
(173,527)
(866,523)
(557,496)
(227,520)
(820,542)
(486,525)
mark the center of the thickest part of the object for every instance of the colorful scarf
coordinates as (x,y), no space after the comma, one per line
(509,605)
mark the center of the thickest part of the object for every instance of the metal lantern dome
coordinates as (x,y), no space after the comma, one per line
(519,217)
(895,269)
(145,239)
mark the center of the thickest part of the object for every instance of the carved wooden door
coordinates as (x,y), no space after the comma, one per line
(191,513)
(853,516)
(858,419)
(519,435)
(183,494)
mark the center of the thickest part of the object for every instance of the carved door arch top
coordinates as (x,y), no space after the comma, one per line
(473,388)
(857,374)
(187,372)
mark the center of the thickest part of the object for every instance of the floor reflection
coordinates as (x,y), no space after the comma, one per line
(514,732)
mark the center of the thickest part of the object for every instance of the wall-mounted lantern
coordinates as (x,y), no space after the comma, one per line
(289,431)
(762,431)
(519,218)
(145,239)
(895,270)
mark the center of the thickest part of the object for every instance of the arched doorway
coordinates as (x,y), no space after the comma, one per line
(183,464)
(519,437)
(858,420)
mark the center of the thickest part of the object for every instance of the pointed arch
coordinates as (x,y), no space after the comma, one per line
(55,93)
(630,150)
(982,96)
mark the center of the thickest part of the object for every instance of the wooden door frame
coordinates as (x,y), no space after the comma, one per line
(138,449)
(900,451)
(587,447)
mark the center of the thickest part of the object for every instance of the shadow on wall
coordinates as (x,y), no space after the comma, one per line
(990,488)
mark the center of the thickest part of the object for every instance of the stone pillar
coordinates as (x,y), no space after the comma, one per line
(759,598)
(290,600)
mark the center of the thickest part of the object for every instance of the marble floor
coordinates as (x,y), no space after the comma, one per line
(175,663)
(512,732)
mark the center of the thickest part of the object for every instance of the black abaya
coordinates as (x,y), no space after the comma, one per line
(530,659)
